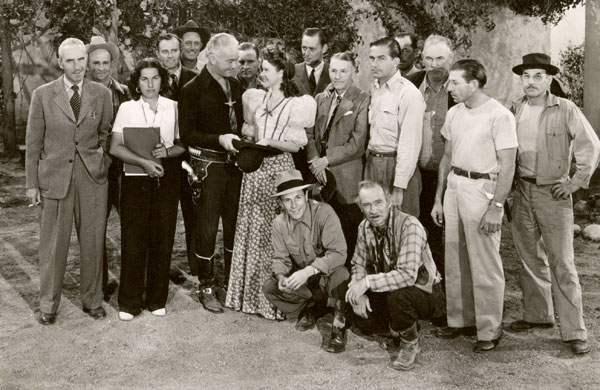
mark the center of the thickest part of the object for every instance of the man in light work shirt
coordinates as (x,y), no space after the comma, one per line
(309,252)
(396,120)
(437,58)
(551,130)
(394,279)
(478,165)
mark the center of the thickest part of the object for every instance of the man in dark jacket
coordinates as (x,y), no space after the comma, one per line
(210,118)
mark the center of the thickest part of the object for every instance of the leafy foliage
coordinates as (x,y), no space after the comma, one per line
(571,63)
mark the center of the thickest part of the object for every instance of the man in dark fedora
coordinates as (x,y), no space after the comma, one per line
(308,259)
(193,40)
(102,56)
(551,131)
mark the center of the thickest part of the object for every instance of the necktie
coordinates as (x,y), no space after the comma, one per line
(75,101)
(230,103)
(380,241)
(174,82)
(325,138)
(312,82)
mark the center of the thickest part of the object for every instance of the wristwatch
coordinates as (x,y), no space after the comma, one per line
(316,270)
(498,204)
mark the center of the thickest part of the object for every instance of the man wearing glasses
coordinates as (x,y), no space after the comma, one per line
(551,131)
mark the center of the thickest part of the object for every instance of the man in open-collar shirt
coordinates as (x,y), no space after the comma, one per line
(396,120)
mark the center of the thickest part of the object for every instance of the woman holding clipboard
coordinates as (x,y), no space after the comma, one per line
(146,138)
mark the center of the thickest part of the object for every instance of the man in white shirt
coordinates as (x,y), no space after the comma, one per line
(396,120)
(312,75)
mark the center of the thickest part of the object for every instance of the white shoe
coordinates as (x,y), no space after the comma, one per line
(160,312)
(124,316)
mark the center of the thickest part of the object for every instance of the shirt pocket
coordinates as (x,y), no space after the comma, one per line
(387,117)
(294,251)
(557,143)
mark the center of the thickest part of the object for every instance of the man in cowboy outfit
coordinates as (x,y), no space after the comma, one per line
(193,40)
(551,131)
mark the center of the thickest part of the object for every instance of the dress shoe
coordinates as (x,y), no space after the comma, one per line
(124,316)
(337,340)
(97,313)
(524,326)
(483,346)
(159,312)
(452,333)
(307,321)
(47,318)
(209,301)
(579,346)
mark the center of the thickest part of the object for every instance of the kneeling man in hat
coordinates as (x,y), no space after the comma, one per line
(308,260)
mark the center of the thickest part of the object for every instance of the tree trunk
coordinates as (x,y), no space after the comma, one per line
(9,133)
(591,75)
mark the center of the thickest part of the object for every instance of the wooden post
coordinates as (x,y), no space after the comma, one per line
(9,133)
(591,75)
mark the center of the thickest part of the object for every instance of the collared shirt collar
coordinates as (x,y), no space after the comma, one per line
(69,84)
(551,100)
(318,69)
(426,85)
(395,79)
(177,72)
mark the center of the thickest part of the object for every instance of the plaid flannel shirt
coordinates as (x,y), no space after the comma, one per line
(405,251)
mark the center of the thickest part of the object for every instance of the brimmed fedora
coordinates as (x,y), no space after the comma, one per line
(192,26)
(289,181)
(98,42)
(251,155)
(536,61)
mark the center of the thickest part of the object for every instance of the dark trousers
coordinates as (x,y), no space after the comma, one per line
(219,199)
(301,163)
(148,221)
(435,234)
(400,309)
(114,194)
(187,211)
(318,289)
(350,217)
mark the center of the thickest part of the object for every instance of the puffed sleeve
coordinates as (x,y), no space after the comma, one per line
(251,100)
(303,110)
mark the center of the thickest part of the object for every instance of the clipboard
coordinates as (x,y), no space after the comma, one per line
(141,141)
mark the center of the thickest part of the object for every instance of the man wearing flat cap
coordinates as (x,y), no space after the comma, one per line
(309,252)
(193,40)
(102,56)
(551,131)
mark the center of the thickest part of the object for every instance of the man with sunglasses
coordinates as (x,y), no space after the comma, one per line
(551,131)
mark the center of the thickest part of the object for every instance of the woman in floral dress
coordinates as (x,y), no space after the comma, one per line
(276,118)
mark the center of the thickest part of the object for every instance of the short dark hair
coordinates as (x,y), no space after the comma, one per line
(315,31)
(413,39)
(249,46)
(167,37)
(345,56)
(391,43)
(472,70)
(134,78)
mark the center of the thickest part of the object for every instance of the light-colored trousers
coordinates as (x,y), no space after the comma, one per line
(543,235)
(86,202)
(474,273)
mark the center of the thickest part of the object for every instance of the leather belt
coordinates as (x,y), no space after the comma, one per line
(208,155)
(529,179)
(470,175)
(376,154)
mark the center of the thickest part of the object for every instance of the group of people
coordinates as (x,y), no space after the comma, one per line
(386,205)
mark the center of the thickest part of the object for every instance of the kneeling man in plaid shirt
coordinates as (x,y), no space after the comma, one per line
(394,279)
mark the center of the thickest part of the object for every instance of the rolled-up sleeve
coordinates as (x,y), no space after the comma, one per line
(410,123)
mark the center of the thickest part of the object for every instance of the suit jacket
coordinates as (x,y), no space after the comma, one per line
(53,136)
(185,76)
(347,139)
(301,79)
(417,79)
(203,114)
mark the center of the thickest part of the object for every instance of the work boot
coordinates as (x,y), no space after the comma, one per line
(409,349)
(337,339)
(307,321)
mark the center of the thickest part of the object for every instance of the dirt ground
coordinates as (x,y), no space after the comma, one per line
(193,349)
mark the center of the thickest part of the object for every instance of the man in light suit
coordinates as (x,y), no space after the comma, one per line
(337,143)
(66,172)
